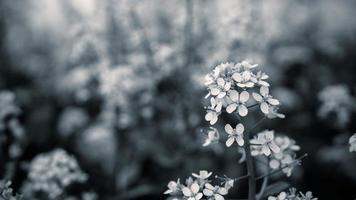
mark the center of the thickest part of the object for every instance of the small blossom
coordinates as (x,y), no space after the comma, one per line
(203,174)
(260,79)
(238,102)
(213,111)
(214,192)
(281,196)
(264,144)
(234,134)
(192,192)
(220,88)
(352,142)
(273,113)
(265,99)
(173,187)
(212,137)
(243,77)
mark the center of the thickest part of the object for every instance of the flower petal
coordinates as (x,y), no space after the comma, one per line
(240,141)
(221,82)
(208,192)
(264,91)
(230,141)
(222,191)
(214,119)
(195,188)
(198,196)
(218,197)
(274,164)
(209,186)
(231,108)
(257,97)
(229,129)
(239,128)
(244,96)
(274,147)
(243,111)
(264,107)
(186,191)
(234,95)
(214,91)
(266,150)
(237,77)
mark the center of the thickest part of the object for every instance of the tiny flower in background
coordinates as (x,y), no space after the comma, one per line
(192,192)
(234,134)
(264,144)
(173,187)
(292,195)
(238,102)
(281,196)
(265,99)
(213,111)
(352,142)
(212,137)
(214,192)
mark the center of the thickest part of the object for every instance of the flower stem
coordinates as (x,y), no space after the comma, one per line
(250,169)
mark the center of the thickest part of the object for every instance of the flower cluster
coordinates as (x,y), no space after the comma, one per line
(6,192)
(280,149)
(230,86)
(293,195)
(336,99)
(352,142)
(51,173)
(198,187)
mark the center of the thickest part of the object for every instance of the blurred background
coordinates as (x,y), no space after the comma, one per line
(105,99)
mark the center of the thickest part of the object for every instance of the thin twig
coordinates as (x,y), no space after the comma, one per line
(264,185)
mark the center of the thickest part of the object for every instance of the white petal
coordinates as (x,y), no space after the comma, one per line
(257,97)
(209,186)
(208,192)
(198,196)
(230,141)
(229,129)
(244,96)
(214,91)
(249,84)
(231,108)
(214,119)
(218,106)
(266,150)
(272,198)
(264,91)
(186,191)
(220,82)
(209,116)
(218,197)
(273,102)
(274,147)
(221,94)
(195,188)
(246,75)
(227,86)
(240,141)
(191,198)
(222,191)
(264,107)
(243,111)
(237,77)
(282,196)
(234,95)
(239,128)
(274,164)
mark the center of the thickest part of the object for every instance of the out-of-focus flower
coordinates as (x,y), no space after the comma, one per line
(72,119)
(336,99)
(238,102)
(51,173)
(212,137)
(352,142)
(281,196)
(292,195)
(8,107)
(264,144)
(214,192)
(235,134)
(265,99)
(213,110)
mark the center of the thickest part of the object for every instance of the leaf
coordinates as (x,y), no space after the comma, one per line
(275,188)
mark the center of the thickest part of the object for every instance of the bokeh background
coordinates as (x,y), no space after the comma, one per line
(115,89)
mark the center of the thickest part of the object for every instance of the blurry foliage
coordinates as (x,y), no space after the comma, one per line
(118,84)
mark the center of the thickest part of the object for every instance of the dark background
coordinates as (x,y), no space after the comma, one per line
(130,75)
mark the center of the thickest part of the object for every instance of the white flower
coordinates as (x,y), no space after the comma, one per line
(352,142)
(212,137)
(238,102)
(234,134)
(273,113)
(281,196)
(192,192)
(265,99)
(260,78)
(213,111)
(244,75)
(229,184)
(173,187)
(264,144)
(214,192)
(219,88)
(203,174)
